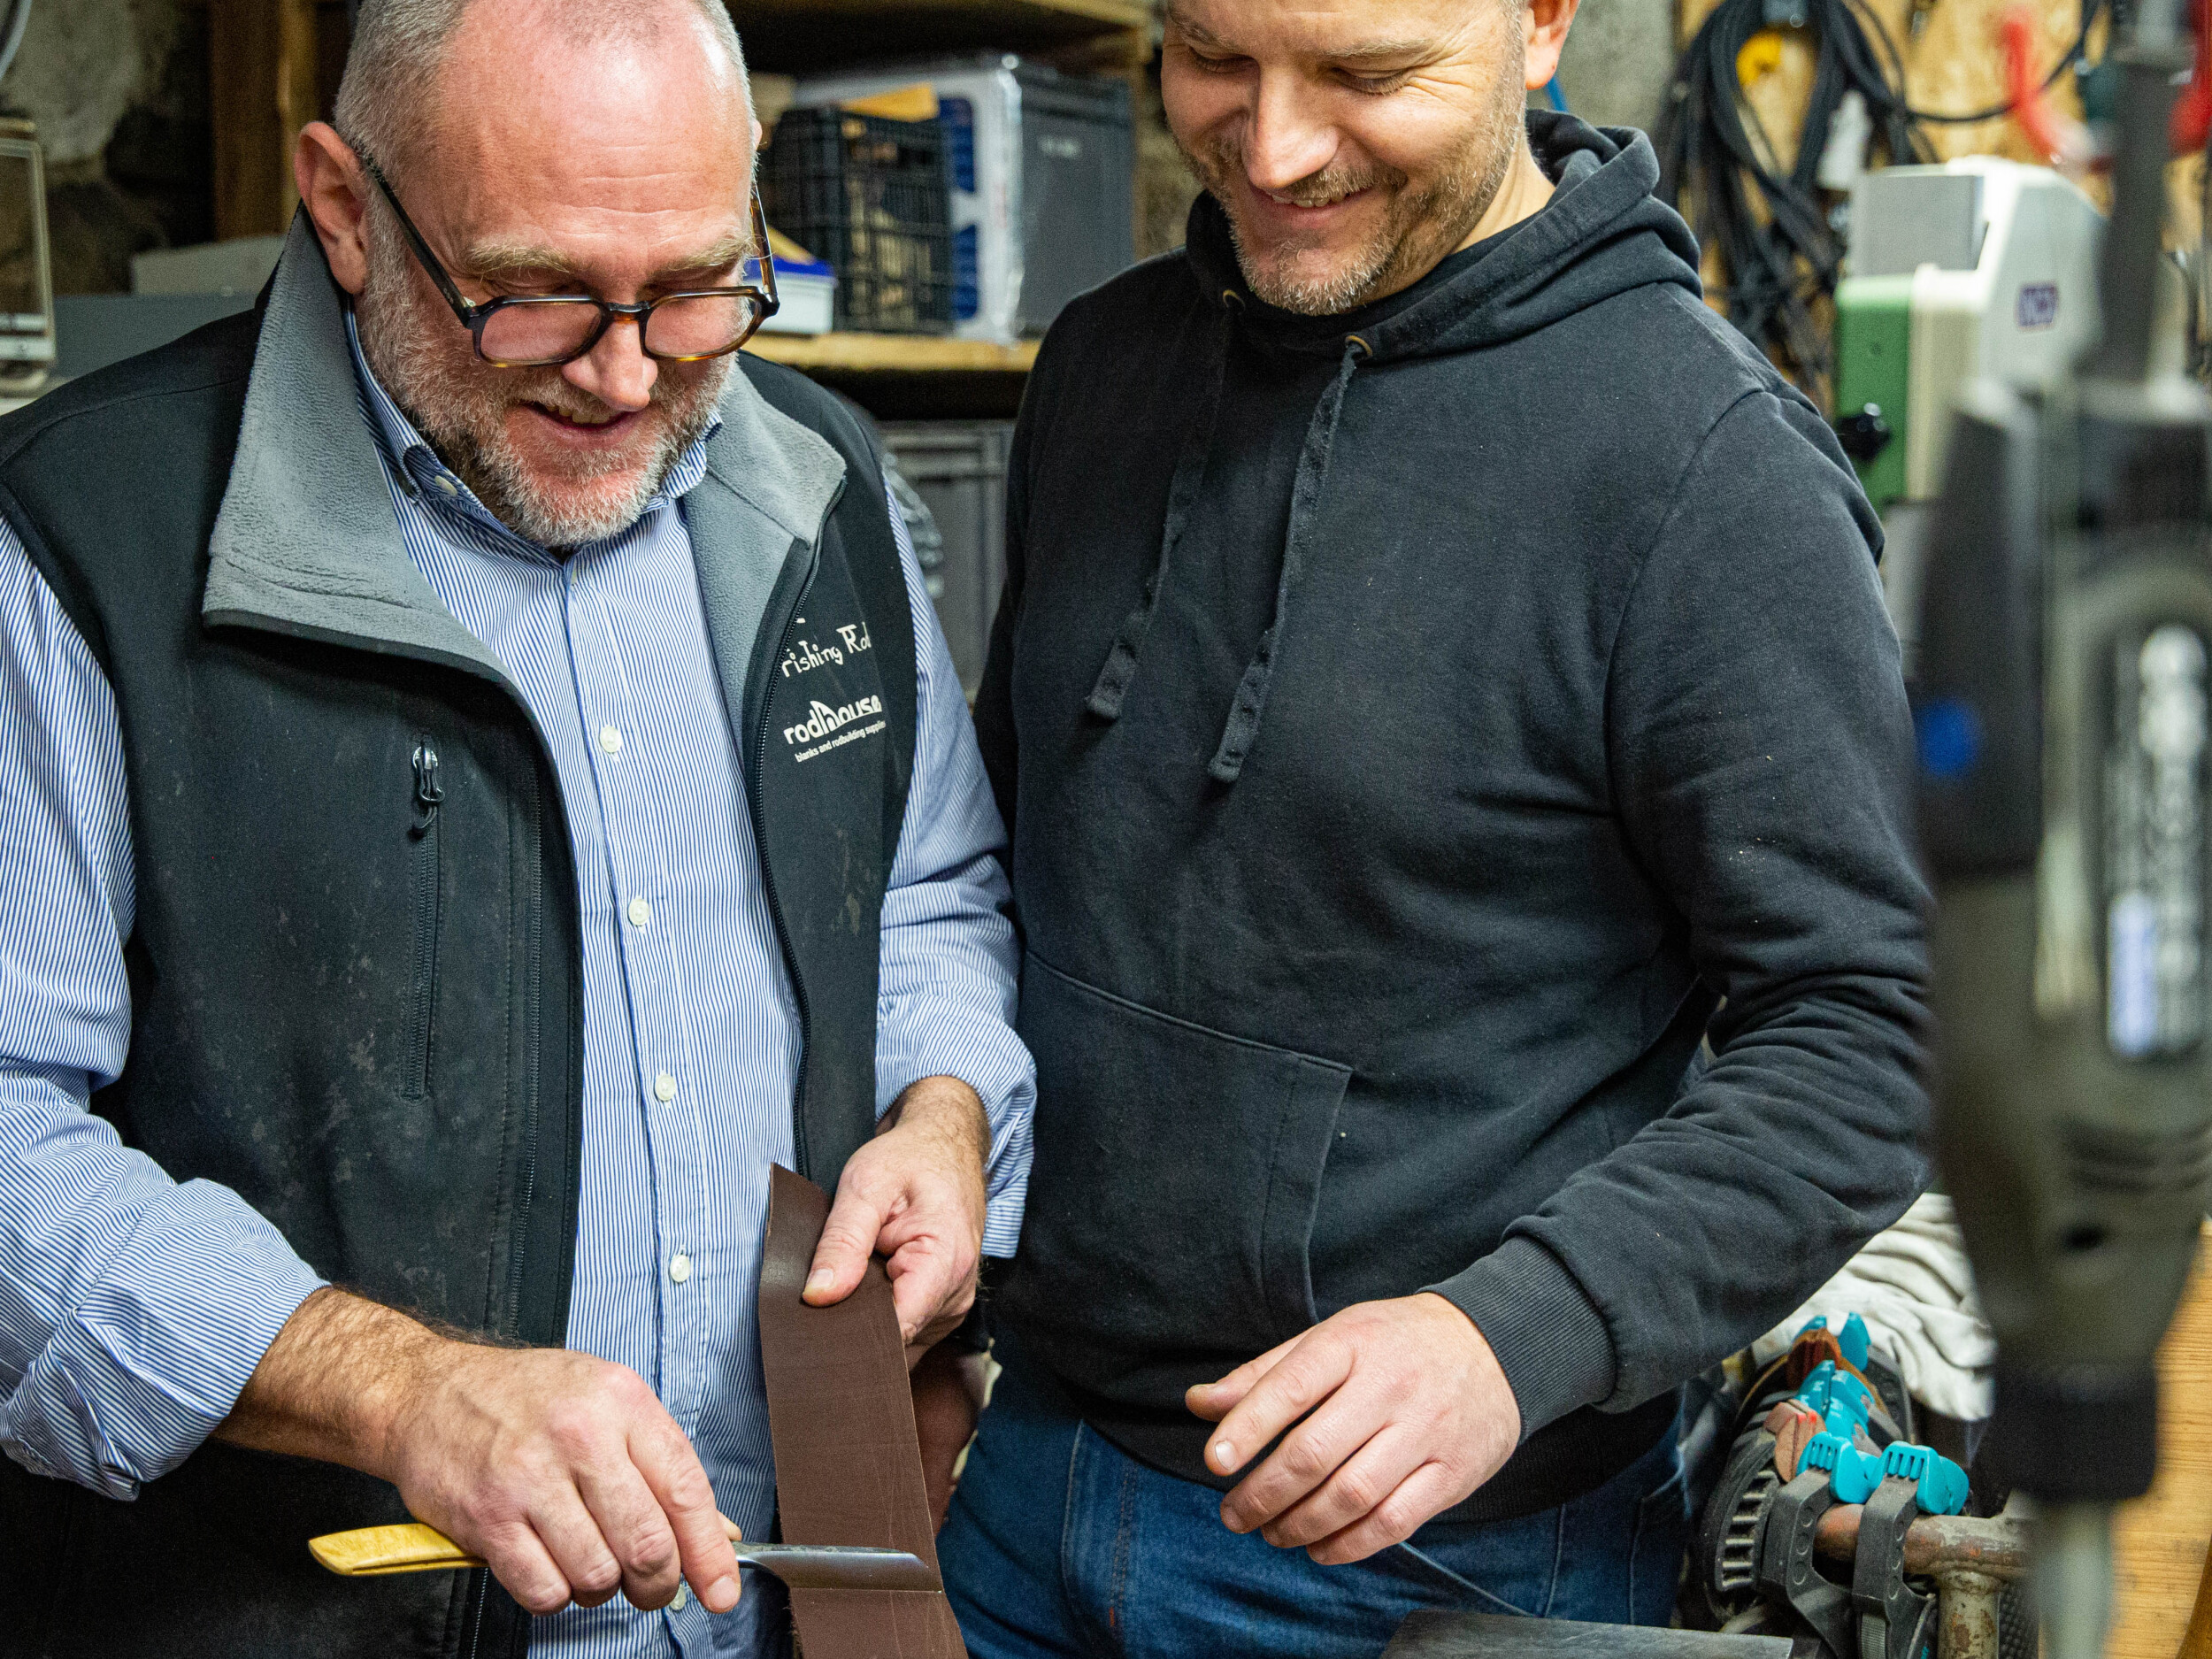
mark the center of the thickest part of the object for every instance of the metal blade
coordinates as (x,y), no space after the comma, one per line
(1482,1636)
(840,1567)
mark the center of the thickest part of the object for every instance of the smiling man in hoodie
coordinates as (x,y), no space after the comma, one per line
(1442,683)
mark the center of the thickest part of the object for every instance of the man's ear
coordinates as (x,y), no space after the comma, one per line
(1546,23)
(335,191)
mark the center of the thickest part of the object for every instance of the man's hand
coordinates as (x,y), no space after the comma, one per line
(949,1385)
(562,1470)
(915,1194)
(1405,1413)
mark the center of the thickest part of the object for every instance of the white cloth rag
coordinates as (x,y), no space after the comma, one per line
(1912,1286)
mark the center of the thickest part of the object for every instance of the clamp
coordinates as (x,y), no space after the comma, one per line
(1786,1573)
(1895,1621)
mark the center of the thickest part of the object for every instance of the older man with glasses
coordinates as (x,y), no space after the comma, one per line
(414,698)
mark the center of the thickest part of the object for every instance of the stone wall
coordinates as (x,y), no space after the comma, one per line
(1619,57)
(118,90)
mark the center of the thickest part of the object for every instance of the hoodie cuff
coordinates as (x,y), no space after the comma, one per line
(1550,1342)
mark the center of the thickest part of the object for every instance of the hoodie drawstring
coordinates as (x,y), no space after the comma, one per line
(1190,472)
(1243,728)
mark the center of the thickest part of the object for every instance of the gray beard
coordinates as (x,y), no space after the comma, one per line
(1400,254)
(448,398)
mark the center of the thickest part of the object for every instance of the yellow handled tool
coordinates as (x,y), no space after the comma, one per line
(371,1552)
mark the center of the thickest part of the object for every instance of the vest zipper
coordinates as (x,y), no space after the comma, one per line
(767,878)
(530,1119)
(424,832)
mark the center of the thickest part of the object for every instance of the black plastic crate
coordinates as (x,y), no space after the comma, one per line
(869,196)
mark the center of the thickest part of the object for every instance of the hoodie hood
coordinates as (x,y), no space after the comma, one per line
(1602,233)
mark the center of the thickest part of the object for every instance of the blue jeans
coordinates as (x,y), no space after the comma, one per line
(1059,1543)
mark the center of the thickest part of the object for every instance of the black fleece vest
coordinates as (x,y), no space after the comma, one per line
(364,1013)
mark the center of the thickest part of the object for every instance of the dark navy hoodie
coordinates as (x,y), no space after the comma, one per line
(1419,731)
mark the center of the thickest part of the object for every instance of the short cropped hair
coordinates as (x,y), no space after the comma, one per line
(391,70)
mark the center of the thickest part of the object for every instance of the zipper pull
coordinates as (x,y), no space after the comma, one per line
(427,794)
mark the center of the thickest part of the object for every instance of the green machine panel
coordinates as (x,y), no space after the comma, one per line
(1874,365)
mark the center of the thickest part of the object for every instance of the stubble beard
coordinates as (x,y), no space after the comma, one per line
(459,404)
(1420,225)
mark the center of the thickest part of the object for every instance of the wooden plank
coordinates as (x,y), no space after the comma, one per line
(264,62)
(2159,1545)
(1075,16)
(797,35)
(894,354)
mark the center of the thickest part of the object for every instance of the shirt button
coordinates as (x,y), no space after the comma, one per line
(679,1268)
(610,739)
(641,913)
(664,1088)
(683,1595)
(447,485)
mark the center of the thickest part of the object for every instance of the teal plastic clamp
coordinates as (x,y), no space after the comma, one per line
(1853,1475)
(1942,1483)
(1827,1390)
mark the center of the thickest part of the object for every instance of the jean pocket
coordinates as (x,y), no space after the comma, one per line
(1171,1200)
(1654,1558)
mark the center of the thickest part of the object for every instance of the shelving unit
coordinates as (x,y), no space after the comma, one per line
(922,377)
(894,354)
(910,377)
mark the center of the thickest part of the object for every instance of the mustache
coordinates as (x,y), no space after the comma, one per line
(1224,157)
(549,389)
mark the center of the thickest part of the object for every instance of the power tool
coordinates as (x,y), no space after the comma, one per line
(2065,631)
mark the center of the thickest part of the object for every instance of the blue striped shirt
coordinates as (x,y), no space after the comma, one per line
(134,1309)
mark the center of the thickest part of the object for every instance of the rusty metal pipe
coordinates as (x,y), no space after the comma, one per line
(1972,1559)
(1966,1613)
(1996,1546)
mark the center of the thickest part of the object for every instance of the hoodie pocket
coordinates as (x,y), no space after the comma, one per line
(1172,1201)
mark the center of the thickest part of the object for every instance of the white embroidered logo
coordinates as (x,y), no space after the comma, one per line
(836,726)
(807,656)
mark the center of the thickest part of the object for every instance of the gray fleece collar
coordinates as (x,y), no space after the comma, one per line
(306,542)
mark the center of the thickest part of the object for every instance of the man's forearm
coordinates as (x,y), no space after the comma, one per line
(563,1470)
(332,1383)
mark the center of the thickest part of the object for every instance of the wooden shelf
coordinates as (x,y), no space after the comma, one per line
(790,35)
(894,354)
(910,377)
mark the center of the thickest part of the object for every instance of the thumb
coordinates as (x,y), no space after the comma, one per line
(849,1239)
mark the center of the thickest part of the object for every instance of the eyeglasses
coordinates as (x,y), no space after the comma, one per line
(535,331)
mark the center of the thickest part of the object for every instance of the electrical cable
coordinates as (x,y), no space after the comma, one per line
(1780,249)
(12,41)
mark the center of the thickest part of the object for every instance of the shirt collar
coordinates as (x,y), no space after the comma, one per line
(426,477)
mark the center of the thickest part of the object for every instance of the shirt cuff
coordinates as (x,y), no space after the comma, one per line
(136,1376)
(1550,1342)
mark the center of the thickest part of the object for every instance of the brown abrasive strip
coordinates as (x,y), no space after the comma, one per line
(848,1467)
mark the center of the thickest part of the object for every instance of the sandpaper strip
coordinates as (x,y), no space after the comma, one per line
(848,1466)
